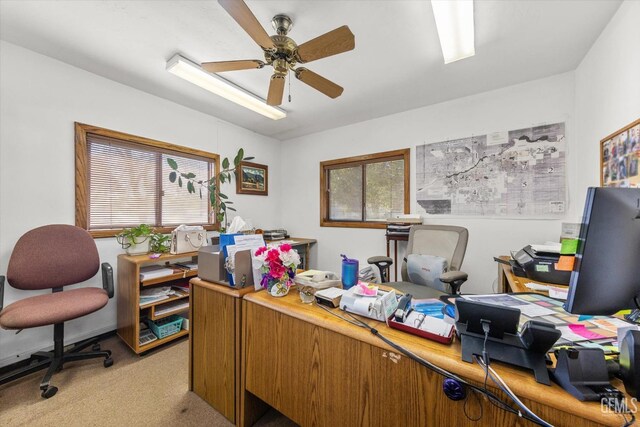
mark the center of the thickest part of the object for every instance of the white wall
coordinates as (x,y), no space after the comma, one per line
(40,100)
(599,97)
(607,88)
(543,101)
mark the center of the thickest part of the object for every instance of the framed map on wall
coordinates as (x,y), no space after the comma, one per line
(519,173)
(619,157)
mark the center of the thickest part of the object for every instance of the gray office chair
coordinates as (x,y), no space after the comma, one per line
(446,241)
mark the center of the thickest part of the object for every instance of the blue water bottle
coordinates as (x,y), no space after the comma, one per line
(349,272)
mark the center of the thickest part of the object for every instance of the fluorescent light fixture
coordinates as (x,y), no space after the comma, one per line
(454,20)
(182,67)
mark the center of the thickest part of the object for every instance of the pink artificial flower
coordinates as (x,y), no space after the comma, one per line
(277,271)
(285,247)
(261,250)
(273,255)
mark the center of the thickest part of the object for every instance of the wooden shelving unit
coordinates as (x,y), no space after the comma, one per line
(130,312)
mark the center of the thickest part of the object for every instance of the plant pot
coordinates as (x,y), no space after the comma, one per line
(138,246)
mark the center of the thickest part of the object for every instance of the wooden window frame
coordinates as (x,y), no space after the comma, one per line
(358,161)
(82,172)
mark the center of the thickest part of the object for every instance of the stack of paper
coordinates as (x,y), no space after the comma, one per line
(148,296)
(154,272)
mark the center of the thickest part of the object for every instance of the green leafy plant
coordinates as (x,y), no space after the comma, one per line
(134,236)
(159,243)
(219,202)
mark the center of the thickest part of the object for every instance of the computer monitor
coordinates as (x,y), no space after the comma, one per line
(606,273)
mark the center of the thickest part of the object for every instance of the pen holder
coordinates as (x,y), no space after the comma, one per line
(349,272)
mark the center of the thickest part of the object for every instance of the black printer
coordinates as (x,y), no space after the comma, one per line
(538,266)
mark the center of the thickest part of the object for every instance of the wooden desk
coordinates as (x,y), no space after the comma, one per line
(215,344)
(320,370)
(509,282)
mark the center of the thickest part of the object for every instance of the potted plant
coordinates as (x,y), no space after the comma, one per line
(159,243)
(135,240)
(219,201)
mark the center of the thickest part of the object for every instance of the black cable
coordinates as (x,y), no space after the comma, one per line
(631,421)
(508,392)
(464,407)
(503,405)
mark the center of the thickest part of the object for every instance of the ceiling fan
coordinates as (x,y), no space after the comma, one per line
(282,53)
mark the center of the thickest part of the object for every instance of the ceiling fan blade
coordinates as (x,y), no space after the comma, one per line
(319,83)
(276,90)
(221,66)
(247,20)
(332,43)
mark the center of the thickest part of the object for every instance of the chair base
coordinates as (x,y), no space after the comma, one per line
(55,360)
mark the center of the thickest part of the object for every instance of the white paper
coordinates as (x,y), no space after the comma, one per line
(548,248)
(558,293)
(249,240)
(532,310)
(436,326)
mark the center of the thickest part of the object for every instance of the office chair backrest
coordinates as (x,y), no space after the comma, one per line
(51,257)
(446,241)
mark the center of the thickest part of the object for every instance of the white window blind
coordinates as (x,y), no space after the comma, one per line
(129,185)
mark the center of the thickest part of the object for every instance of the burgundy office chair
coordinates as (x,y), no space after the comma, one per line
(52,257)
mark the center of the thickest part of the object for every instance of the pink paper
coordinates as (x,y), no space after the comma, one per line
(585,333)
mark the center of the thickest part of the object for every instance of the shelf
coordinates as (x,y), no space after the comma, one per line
(183,295)
(182,275)
(154,316)
(129,288)
(158,342)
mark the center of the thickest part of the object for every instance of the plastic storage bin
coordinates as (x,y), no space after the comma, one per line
(166,326)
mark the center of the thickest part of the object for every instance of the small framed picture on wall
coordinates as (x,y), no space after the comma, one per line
(252,178)
(619,157)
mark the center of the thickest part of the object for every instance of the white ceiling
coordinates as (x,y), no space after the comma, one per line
(396,66)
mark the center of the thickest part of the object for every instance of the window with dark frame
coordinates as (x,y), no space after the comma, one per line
(123,181)
(364,191)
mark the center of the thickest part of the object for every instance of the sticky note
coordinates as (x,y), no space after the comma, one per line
(585,333)
(569,247)
(565,263)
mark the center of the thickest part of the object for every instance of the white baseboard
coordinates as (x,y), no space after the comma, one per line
(18,357)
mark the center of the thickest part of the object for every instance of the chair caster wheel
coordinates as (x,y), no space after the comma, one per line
(49,392)
(96,347)
(107,362)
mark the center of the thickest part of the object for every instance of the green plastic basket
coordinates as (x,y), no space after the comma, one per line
(166,326)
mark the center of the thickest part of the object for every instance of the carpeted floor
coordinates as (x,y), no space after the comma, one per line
(147,390)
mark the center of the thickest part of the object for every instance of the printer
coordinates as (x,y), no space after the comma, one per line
(538,266)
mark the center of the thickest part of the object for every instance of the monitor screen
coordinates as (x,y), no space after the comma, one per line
(606,273)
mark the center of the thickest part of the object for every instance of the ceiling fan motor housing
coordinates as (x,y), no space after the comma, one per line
(284,57)
(282,24)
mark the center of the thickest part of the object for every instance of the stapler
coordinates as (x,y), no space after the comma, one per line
(404,308)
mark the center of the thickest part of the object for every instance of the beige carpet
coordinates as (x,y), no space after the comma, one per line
(147,390)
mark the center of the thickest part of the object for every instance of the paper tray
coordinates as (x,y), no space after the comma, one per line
(415,331)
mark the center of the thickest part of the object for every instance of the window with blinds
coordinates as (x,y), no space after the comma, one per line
(124,182)
(364,191)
